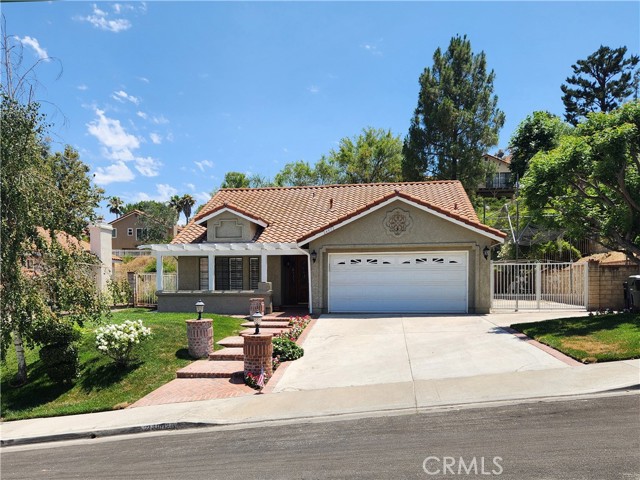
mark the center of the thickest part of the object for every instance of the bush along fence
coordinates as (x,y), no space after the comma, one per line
(283,349)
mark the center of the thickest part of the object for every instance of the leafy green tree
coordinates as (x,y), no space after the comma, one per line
(600,83)
(235,180)
(539,132)
(456,120)
(45,281)
(589,184)
(157,222)
(116,206)
(301,173)
(373,156)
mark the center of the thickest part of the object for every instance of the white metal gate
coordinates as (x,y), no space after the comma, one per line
(145,289)
(539,286)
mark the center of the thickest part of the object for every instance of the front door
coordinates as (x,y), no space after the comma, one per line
(295,280)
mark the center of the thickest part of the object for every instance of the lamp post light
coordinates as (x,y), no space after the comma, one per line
(257,320)
(199,308)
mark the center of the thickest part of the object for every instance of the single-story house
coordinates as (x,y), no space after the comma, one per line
(393,247)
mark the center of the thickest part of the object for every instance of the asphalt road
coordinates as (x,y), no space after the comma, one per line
(596,438)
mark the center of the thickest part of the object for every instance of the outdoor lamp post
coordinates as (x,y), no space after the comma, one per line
(199,308)
(257,320)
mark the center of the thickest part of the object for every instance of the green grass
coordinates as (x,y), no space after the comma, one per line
(598,338)
(101,386)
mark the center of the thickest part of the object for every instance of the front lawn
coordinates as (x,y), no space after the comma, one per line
(101,386)
(598,338)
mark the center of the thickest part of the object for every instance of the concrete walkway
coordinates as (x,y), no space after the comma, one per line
(343,351)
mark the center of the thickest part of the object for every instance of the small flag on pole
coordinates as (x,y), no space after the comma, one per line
(260,381)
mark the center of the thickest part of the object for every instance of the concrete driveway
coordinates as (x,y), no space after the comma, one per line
(349,350)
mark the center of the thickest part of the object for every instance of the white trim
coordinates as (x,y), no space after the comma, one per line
(159,273)
(409,202)
(223,249)
(235,212)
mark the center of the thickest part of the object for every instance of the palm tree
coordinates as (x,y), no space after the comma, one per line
(116,206)
(176,203)
(187,202)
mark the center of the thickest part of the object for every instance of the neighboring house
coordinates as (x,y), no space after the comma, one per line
(403,247)
(128,231)
(502,182)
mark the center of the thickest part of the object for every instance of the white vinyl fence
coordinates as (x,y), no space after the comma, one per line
(145,290)
(539,286)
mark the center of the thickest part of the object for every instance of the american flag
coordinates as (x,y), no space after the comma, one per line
(260,381)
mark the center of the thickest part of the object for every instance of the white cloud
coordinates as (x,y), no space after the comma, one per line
(35,45)
(160,120)
(314,89)
(118,172)
(202,197)
(82,87)
(190,186)
(155,138)
(143,79)
(100,19)
(371,48)
(121,96)
(147,166)
(142,115)
(204,163)
(170,136)
(118,144)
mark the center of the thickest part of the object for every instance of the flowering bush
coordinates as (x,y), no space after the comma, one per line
(252,380)
(118,340)
(297,325)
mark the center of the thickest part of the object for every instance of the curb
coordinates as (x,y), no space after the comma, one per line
(633,389)
(59,437)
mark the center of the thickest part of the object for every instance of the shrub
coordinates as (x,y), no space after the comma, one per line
(286,349)
(297,324)
(58,355)
(120,291)
(117,341)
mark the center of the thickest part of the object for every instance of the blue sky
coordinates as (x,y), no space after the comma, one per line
(163,98)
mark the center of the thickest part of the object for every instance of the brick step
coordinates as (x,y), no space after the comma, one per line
(271,324)
(231,342)
(227,354)
(263,329)
(207,369)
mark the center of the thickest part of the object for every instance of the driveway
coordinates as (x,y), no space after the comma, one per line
(348,350)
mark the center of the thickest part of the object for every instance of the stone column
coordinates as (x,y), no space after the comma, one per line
(258,353)
(256,305)
(200,337)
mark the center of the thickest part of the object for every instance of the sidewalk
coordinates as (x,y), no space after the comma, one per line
(365,400)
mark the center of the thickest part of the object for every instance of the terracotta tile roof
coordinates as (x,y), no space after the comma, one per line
(293,214)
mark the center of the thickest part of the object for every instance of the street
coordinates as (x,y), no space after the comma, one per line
(590,438)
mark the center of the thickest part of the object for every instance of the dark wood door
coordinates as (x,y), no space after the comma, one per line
(295,280)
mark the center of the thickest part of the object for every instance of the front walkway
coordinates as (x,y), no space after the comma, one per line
(351,350)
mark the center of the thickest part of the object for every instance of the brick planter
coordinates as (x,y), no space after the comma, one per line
(258,353)
(200,337)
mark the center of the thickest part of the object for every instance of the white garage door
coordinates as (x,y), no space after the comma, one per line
(398,282)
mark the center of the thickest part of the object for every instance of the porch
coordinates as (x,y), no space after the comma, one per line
(226,275)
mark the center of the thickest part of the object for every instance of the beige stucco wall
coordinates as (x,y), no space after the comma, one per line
(122,240)
(428,233)
(248,228)
(274,275)
(188,273)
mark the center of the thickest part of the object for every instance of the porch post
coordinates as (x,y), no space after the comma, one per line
(263,266)
(159,272)
(212,272)
(309,278)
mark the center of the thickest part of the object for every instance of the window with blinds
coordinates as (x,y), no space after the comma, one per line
(229,273)
(254,273)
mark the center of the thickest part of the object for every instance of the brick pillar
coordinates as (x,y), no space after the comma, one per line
(258,353)
(200,337)
(256,305)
